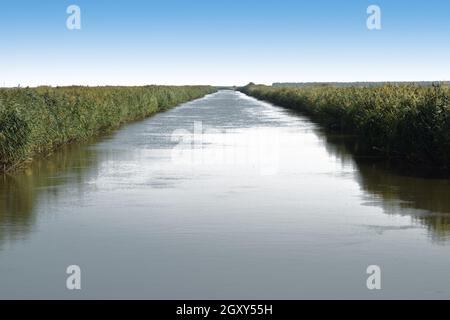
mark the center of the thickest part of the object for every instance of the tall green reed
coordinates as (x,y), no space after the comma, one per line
(410,122)
(37,120)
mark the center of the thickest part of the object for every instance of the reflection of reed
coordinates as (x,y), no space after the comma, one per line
(41,181)
(418,194)
(425,200)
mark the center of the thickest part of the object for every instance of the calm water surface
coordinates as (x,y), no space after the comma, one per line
(223,197)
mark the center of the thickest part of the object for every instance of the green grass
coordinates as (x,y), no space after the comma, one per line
(408,122)
(35,121)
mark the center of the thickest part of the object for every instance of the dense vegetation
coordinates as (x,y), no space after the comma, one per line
(410,122)
(353,84)
(37,120)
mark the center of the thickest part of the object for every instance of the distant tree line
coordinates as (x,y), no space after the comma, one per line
(357,84)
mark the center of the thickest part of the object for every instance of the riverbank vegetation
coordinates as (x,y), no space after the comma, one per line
(408,122)
(35,121)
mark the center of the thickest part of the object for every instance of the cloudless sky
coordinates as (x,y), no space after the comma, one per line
(133,42)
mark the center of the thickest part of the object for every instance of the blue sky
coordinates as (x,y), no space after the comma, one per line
(132,42)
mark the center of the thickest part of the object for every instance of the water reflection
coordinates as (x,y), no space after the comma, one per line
(42,182)
(425,200)
(417,193)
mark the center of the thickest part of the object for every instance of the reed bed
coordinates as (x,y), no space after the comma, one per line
(35,121)
(408,122)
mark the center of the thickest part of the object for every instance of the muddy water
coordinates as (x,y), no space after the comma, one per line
(223,197)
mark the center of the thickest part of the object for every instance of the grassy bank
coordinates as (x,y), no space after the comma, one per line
(34,121)
(407,122)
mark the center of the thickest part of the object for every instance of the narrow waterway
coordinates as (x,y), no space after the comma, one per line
(222,197)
